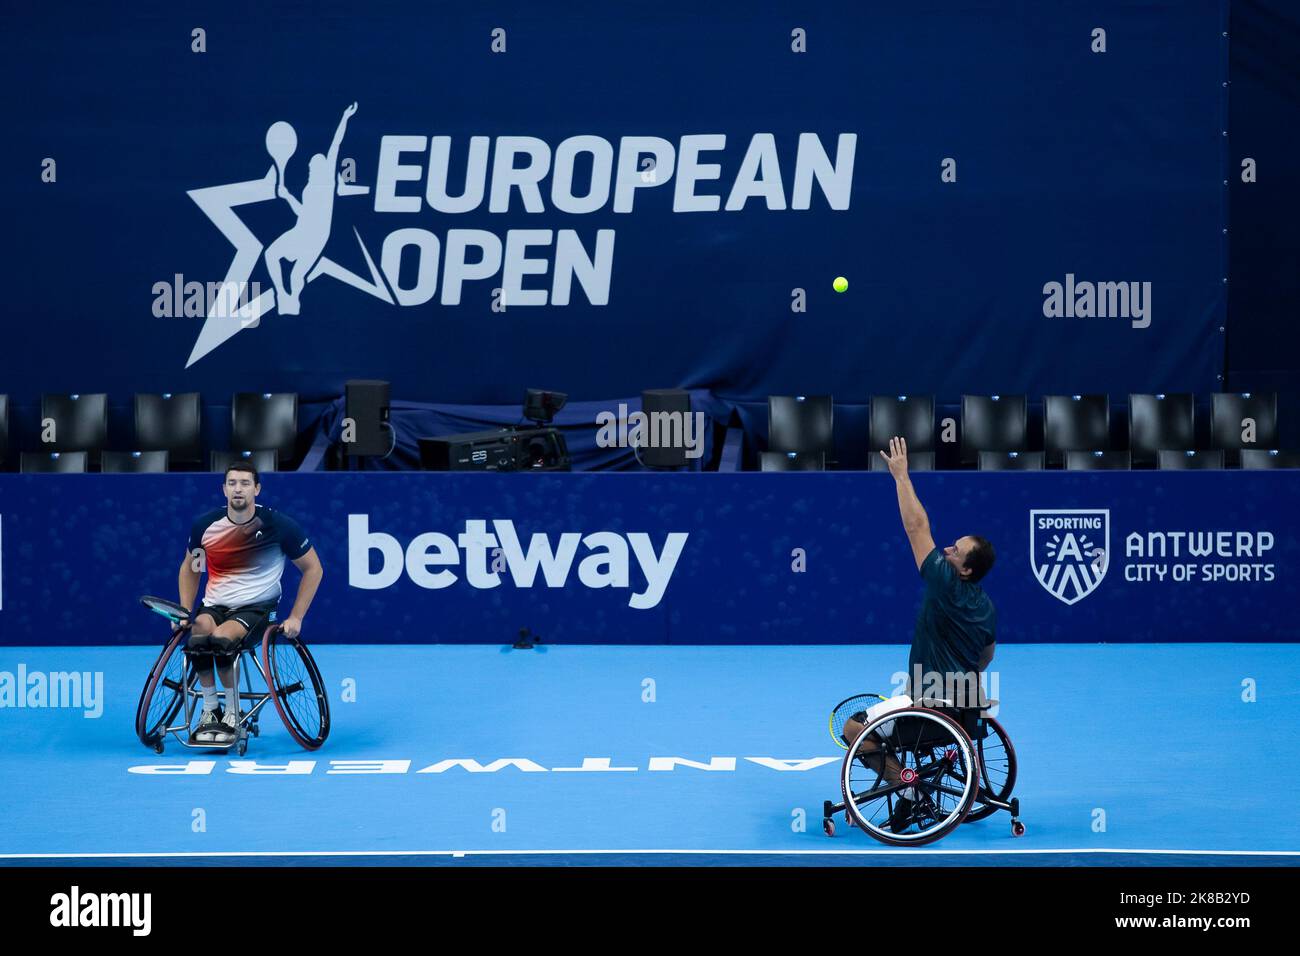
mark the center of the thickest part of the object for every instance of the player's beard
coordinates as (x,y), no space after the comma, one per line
(239,506)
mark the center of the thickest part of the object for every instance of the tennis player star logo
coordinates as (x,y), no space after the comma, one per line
(301,246)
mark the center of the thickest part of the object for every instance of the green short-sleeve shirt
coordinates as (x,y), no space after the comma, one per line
(956,621)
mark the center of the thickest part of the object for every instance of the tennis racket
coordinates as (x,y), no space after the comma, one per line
(845,709)
(168,609)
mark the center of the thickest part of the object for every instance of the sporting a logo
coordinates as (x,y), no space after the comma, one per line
(1069,550)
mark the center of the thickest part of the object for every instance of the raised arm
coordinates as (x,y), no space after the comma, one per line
(338,136)
(915,521)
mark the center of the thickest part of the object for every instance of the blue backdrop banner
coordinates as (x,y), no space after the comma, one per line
(676,558)
(467,199)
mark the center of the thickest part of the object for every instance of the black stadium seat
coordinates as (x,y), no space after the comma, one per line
(1171,460)
(910,417)
(264,460)
(791,461)
(4,430)
(800,423)
(1227,412)
(992,423)
(53,463)
(1075,423)
(1255,459)
(80,423)
(169,422)
(1160,422)
(1097,461)
(916,461)
(1011,461)
(133,462)
(265,421)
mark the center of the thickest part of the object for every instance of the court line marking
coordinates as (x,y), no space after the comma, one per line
(696,852)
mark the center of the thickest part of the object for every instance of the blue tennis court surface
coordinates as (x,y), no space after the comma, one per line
(1129,755)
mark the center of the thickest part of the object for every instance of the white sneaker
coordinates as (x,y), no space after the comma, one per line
(207,726)
(228,728)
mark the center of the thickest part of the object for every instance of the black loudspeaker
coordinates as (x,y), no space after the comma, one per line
(366,403)
(668,449)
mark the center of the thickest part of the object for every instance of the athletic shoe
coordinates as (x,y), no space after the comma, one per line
(901,818)
(920,810)
(207,726)
(229,728)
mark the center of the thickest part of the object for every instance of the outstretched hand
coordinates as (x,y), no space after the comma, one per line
(897,457)
(350,110)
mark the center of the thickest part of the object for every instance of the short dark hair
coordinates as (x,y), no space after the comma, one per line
(242,466)
(979,560)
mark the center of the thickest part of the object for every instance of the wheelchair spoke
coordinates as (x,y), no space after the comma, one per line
(997,769)
(910,778)
(165,697)
(298,692)
(995,764)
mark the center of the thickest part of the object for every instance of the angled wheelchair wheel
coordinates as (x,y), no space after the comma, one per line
(164,693)
(935,765)
(297,688)
(997,769)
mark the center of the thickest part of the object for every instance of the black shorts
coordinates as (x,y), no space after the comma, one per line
(249,615)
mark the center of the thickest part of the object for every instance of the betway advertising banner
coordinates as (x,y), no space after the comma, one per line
(681,559)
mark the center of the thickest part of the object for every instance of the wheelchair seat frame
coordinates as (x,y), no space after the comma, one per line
(177,695)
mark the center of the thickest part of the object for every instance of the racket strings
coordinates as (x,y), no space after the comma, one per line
(846,710)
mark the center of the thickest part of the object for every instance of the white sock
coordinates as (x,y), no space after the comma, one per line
(209,699)
(232,700)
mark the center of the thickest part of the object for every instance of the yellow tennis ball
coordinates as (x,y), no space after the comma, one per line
(841,284)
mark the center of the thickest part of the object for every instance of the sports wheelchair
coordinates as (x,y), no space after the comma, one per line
(952,764)
(293,685)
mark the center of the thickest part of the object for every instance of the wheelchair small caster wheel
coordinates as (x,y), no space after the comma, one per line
(848,819)
(158,747)
(256,730)
(828,825)
(241,748)
(1017,828)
